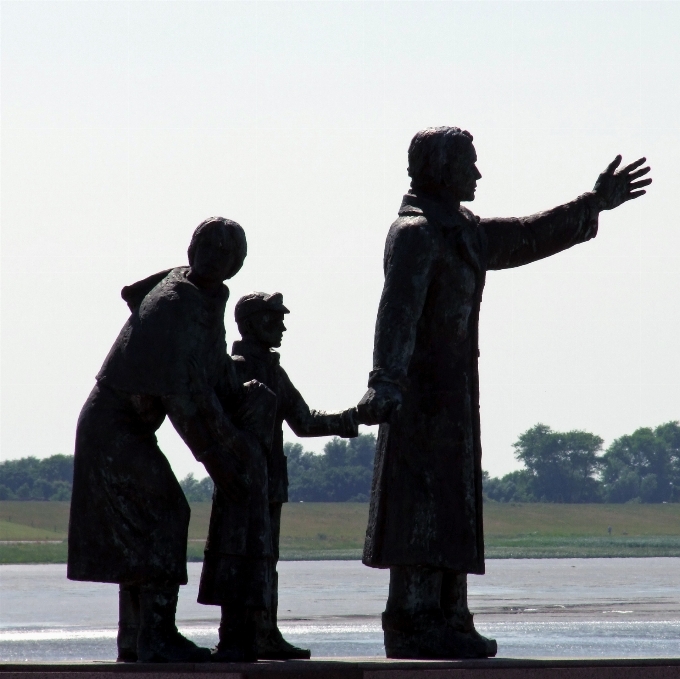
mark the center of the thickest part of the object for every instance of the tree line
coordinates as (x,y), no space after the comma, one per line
(32,479)
(568,467)
(342,473)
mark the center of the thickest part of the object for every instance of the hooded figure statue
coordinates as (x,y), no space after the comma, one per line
(129,517)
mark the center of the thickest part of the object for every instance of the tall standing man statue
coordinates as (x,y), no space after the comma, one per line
(425,521)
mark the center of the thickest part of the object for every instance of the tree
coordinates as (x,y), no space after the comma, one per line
(32,479)
(197,491)
(513,487)
(342,473)
(561,465)
(644,466)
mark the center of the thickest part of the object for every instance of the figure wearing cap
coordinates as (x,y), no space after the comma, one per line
(260,321)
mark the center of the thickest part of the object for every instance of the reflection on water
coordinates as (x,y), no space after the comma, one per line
(534,608)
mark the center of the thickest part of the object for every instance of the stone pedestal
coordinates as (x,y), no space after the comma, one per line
(495,668)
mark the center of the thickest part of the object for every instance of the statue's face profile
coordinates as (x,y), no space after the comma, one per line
(462,175)
(213,258)
(268,327)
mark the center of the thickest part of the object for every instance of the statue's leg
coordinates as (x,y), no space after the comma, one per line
(454,601)
(128,623)
(415,620)
(413,614)
(237,635)
(414,590)
(455,607)
(270,642)
(158,639)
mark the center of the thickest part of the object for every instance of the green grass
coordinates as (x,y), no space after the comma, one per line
(20,520)
(35,553)
(15,531)
(336,530)
(517,519)
(581,547)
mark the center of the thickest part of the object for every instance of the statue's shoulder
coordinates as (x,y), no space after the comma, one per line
(411,231)
(411,217)
(468,215)
(177,293)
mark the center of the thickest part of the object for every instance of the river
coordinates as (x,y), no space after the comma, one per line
(535,608)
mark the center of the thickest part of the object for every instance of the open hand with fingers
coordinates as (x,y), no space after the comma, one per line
(614,188)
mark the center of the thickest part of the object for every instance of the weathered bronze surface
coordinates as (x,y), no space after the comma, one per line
(129,518)
(425,520)
(260,318)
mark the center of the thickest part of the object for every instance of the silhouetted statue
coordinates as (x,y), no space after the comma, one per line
(129,518)
(425,520)
(249,628)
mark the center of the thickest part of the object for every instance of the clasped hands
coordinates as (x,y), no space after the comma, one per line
(379,403)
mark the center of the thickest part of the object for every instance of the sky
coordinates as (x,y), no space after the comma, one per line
(125,124)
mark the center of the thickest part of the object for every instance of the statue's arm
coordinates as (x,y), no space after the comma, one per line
(307,422)
(410,254)
(514,242)
(199,418)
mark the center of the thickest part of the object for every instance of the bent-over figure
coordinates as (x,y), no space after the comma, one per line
(129,517)
(425,521)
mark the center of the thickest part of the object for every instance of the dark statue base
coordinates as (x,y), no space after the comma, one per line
(355,668)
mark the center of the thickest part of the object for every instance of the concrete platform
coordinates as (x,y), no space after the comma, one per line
(350,668)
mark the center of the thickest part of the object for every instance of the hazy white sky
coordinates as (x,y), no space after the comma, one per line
(125,124)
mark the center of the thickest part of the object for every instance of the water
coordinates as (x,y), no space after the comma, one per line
(534,608)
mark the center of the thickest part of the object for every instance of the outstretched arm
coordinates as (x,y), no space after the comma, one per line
(514,242)
(213,440)
(307,422)
(200,419)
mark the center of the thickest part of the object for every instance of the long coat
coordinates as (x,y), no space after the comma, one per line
(426,499)
(129,517)
(227,577)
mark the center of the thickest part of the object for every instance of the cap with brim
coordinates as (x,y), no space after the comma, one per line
(257,302)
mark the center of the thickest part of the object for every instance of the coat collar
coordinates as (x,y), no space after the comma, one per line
(415,203)
(254,350)
(460,224)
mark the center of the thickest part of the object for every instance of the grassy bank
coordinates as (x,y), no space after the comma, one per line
(336,530)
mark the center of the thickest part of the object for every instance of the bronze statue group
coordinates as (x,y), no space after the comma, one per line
(129,518)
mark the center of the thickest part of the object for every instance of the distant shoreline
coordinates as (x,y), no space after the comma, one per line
(35,532)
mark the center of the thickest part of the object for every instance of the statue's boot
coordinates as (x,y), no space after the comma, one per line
(237,637)
(428,636)
(487,648)
(457,614)
(268,638)
(128,623)
(159,640)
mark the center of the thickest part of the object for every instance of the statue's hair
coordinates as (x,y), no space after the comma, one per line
(432,149)
(232,231)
